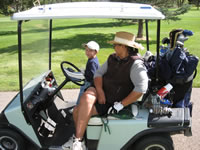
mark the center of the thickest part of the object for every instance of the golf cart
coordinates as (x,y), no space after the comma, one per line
(33,117)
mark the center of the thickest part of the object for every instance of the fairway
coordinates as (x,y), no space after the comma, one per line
(69,34)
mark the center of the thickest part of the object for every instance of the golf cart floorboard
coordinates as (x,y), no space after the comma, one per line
(62,133)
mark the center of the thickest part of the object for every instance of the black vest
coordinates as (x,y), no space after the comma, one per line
(117,83)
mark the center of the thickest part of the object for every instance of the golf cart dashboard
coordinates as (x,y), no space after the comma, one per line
(37,92)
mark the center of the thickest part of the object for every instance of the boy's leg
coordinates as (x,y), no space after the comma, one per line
(82,90)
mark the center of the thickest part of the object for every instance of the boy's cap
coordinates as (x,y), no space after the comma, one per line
(92,45)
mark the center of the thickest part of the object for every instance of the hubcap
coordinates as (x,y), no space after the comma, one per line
(8,143)
(155,147)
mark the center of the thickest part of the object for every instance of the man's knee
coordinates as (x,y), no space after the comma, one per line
(89,96)
(91,91)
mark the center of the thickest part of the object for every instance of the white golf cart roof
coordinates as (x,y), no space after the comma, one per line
(90,10)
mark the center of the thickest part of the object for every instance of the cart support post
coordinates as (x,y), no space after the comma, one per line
(157,50)
(147,34)
(50,38)
(20,61)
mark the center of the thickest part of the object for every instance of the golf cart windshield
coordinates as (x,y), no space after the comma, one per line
(34,49)
(34,54)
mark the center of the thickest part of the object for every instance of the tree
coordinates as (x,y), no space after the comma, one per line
(5,7)
(8,7)
(195,2)
(180,2)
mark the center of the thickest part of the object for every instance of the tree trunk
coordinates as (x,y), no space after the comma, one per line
(198,1)
(140,29)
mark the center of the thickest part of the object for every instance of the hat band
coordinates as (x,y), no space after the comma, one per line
(124,41)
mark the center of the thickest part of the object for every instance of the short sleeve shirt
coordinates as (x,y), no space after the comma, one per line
(91,67)
(138,75)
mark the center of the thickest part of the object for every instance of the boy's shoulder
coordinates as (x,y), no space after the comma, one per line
(95,59)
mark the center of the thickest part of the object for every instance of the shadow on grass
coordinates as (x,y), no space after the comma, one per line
(11,49)
(2,33)
(79,39)
(67,44)
(95,25)
(88,25)
(74,42)
(143,42)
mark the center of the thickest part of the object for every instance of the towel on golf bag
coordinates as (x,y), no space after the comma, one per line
(183,66)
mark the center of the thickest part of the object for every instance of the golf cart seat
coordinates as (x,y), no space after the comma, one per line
(97,124)
(97,120)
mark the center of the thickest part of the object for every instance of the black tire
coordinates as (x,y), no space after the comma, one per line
(155,142)
(10,140)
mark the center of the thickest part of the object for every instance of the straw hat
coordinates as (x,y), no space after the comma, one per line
(126,38)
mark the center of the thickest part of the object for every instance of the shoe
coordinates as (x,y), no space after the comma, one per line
(69,144)
(79,145)
(74,144)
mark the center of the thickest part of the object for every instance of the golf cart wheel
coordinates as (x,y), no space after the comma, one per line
(10,140)
(155,142)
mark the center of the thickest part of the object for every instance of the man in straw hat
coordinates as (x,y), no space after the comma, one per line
(120,81)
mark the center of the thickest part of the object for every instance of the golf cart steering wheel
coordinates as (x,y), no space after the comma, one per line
(76,76)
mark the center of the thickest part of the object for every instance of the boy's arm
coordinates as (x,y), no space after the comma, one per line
(90,71)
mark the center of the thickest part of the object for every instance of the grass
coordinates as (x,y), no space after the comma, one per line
(68,35)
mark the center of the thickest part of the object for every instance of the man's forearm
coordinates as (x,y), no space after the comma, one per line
(132,97)
(98,82)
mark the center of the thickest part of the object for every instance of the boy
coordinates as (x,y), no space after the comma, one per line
(91,50)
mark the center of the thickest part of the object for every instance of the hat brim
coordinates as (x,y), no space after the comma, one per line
(135,45)
(84,45)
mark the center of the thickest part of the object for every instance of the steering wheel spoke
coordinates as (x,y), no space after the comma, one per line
(72,73)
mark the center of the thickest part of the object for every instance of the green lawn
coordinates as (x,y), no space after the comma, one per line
(68,35)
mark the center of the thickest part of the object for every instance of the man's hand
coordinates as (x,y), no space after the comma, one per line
(101,97)
(98,82)
(115,108)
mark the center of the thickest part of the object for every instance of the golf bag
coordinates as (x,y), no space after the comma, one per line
(176,66)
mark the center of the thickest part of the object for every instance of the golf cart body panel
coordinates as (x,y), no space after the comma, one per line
(19,121)
(144,124)
(14,107)
(34,112)
(91,10)
(126,132)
